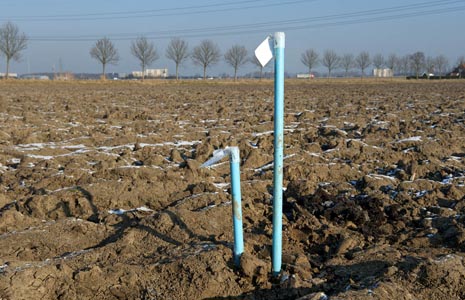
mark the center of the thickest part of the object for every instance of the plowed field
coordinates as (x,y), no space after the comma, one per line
(102,194)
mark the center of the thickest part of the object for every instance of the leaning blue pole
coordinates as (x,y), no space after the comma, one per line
(279,43)
(234,162)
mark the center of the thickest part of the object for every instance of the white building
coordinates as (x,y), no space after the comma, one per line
(10,75)
(155,73)
(305,75)
(382,73)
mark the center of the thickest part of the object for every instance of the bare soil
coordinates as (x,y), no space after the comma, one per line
(102,194)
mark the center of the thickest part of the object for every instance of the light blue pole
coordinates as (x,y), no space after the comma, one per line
(279,43)
(234,161)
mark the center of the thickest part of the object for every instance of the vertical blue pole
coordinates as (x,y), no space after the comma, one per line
(279,42)
(236,204)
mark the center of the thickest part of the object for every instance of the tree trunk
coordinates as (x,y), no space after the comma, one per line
(235,74)
(103,72)
(204,72)
(143,72)
(7,68)
(177,67)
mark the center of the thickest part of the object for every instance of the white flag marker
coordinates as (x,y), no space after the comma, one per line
(264,52)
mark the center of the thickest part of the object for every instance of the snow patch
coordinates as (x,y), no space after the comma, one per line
(410,139)
(120,211)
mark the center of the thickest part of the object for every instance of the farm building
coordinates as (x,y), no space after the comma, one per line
(382,73)
(305,75)
(458,71)
(10,75)
(155,73)
(35,76)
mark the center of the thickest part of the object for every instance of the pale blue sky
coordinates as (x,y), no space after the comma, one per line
(65,30)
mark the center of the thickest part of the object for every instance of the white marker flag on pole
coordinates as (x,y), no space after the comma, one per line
(264,52)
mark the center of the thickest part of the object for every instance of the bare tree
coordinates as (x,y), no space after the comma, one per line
(206,54)
(145,52)
(404,64)
(105,52)
(347,62)
(254,60)
(417,61)
(310,59)
(441,63)
(430,65)
(363,61)
(177,51)
(236,57)
(392,62)
(12,42)
(460,61)
(330,60)
(378,61)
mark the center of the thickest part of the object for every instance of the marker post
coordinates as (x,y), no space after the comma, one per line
(234,162)
(279,44)
(264,54)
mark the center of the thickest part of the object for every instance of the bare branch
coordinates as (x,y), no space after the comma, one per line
(105,52)
(145,52)
(254,60)
(378,61)
(206,54)
(310,59)
(441,63)
(417,61)
(177,51)
(236,57)
(330,60)
(347,62)
(392,62)
(404,64)
(363,61)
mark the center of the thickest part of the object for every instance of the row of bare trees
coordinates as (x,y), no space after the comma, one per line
(206,54)
(415,63)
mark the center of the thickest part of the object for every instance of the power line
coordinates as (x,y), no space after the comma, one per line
(135,12)
(368,16)
(382,18)
(371,12)
(180,11)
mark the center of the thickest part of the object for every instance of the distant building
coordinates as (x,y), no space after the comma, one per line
(10,75)
(305,76)
(427,75)
(64,76)
(35,77)
(136,74)
(383,73)
(153,73)
(458,71)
